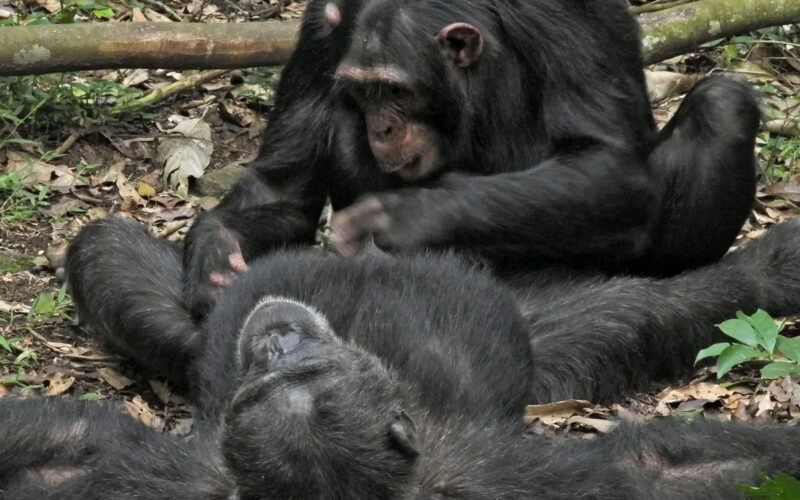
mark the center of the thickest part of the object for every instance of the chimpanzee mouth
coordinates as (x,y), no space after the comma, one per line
(259,389)
(409,170)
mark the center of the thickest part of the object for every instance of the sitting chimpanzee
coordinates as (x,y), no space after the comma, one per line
(519,131)
(395,377)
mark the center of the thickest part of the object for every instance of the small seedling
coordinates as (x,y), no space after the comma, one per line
(19,204)
(49,304)
(757,338)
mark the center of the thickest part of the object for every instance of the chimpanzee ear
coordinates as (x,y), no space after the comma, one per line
(403,435)
(462,42)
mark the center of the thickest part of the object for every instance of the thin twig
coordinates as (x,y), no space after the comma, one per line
(159,95)
(657,6)
(73,137)
(161,5)
(273,11)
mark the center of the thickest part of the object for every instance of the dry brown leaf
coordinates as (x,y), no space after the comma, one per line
(792,390)
(34,173)
(83,353)
(16,308)
(57,383)
(96,213)
(789,190)
(127,192)
(183,426)
(50,6)
(145,190)
(109,176)
(141,411)
(598,424)
(136,77)
(185,154)
(701,391)
(165,394)
(765,405)
(236,113)
(664,84)
(113,378)
(555,413)
(777,392)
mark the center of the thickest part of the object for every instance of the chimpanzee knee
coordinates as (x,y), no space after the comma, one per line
(127,288)
(706,165)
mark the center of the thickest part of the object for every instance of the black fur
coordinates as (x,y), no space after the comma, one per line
(383,377)
(550,153)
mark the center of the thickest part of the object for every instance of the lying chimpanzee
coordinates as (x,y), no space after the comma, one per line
(519,130)
(395,377)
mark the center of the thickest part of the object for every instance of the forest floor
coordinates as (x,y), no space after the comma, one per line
(66,159)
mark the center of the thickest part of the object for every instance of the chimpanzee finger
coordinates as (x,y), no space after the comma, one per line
(220,279)
(349,223)
(237,262)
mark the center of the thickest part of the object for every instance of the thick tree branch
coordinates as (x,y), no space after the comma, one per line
(679,30)
(30,50)
(47,49)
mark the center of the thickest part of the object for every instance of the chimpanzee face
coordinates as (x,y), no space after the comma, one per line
(401,74)
(314,417)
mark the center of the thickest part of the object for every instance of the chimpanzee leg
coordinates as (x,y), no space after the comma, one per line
(702,459)
(706,165)
(128,289)
(604,337)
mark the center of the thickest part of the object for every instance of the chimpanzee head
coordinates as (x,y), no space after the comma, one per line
(407,73)
(314,417)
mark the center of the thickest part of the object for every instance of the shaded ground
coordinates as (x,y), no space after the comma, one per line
(69,161)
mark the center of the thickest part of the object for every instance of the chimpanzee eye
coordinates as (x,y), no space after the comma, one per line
(399,92)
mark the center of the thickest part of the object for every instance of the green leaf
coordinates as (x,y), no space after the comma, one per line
(44,305)
(735,355)
(711,351)
(92,396)
(789,347)
(103,13)
(778,369)
(766,329)
(782,487)
(739,330)
(6,344)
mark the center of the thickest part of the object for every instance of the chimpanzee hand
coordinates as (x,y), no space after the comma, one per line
(211,260)
(400,220)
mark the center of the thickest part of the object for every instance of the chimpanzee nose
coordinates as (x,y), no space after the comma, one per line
(382,127)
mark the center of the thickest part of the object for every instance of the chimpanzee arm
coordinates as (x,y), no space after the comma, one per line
(276,203)
(279,200)
(603,337)
(597,203)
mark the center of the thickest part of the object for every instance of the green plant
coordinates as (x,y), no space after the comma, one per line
(781,487)
(18,204)
(779,154)
(49,304)
(13,346)
(758,338)
(19,379)
(40,105)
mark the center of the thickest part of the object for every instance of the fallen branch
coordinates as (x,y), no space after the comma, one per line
(28,50)
(679,30)
(33,50)
(657,6)
(157,95)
